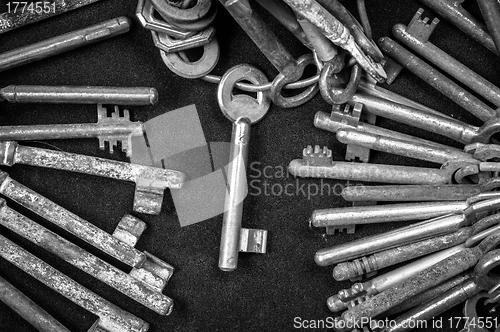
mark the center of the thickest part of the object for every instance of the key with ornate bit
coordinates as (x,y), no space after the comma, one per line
(318,163)
(110,317)
(416,36)
(242,111)
(108,129)
(150,181)
(405,235)
(119,245)
(63,43)
(18,16)
(430,277)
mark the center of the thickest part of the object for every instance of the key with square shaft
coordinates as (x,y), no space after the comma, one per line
(243,111)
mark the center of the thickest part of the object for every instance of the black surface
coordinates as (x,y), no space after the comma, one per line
(267,291)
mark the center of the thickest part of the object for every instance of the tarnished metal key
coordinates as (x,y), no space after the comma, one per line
(150,181)
(108,129)
(405,235)
(453,11)
(18,17)
(110,317)
(27,309)
(490,9)
(290,69)
(79,95)
(242,111)
(318,163)
(119,245)
(63,43)
(83,260)
(418,193)
(430,277)
(360,292)
(416,37)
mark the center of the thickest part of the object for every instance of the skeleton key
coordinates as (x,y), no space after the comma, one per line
(290,69)
(243,111)
(110,317)
(405,235)
(79,95)
(453,11)
(64,43)
(318,163)
(150,181)
(113,129)
(416,36)
(432,276)
(481,279)
(14,19)
(28,310)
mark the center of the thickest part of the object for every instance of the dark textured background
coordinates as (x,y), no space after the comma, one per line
(267,291)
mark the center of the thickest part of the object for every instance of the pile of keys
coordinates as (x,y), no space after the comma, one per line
(456,241)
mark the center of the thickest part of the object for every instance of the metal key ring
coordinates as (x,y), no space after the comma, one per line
(196,69)
(200,24)
(329,90)
(292,73)
(234,107)
(175,14)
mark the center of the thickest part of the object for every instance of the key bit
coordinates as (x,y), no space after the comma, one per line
(419,28)
(150,181)
(317,156)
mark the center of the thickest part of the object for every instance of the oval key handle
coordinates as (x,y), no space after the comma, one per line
(237,106)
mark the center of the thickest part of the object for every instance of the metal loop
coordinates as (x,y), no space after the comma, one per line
(328,84)
(292,73)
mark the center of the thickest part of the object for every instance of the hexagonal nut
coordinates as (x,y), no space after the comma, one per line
(171,45)
(145,15)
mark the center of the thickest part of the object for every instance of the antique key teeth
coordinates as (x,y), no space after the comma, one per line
(419,28)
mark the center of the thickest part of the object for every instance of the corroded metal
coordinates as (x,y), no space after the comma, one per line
(456,14)
(429,294)
(481,280)
(111,317)
(402,147)
(150,181)
(437,80)
(28,310)
(109,130)
(145,266)
(79,94)
(85,261)
(360,292)
(413,37)
(418,193)
(386,258)
(405,235)
(358,215)
(318,163)
(63,43)
(430,277)
(11,21)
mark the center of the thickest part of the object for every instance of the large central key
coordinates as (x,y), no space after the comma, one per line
(243,111)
